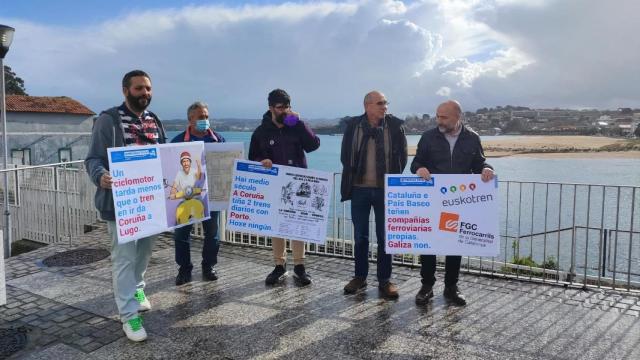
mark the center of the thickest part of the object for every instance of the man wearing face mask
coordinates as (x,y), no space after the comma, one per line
(282,139)
(450,148)
(198,129)
(129,124)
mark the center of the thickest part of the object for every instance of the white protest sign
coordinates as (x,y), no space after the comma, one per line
(157,188)
(452,214)
(220,159)
(282,201)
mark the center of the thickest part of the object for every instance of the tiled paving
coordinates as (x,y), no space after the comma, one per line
(69,313)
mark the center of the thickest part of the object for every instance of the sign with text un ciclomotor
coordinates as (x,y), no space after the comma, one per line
(158,188)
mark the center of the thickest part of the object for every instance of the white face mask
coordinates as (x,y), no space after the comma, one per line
(202,125)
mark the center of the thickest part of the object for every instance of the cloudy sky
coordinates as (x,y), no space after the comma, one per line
(328,54)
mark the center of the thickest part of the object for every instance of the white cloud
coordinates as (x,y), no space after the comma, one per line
(444,91)
(327,55)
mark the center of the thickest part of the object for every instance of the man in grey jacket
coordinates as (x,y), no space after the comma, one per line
(129,124)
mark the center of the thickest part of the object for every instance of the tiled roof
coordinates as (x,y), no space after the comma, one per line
(46,104)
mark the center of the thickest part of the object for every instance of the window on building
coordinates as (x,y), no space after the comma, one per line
(21,156)
(64,154)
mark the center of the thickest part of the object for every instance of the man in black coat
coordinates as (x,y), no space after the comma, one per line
(450,148)
(283,139)
(374,144)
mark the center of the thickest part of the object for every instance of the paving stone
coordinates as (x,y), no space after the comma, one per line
(12,311)
(53,330)
(92,346)
(61,318)
(26,319)
(635,313)
(30,311)
(95,320)
(81,341)
(29,306)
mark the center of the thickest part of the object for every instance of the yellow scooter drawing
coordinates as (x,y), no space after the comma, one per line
(184,188)
(190,208)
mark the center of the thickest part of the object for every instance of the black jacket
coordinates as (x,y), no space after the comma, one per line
(398,151)
(283,146)
(434,153)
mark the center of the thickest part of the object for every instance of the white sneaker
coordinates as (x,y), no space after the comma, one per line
(143,301)
(134,330)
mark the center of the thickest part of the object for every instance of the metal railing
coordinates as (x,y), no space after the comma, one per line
(49,203)
(578,234)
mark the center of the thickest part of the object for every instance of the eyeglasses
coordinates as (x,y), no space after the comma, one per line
(282,107)
(382,103)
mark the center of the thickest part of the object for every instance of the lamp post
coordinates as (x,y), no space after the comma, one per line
(6,37)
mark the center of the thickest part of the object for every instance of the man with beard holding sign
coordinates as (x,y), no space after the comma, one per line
(129,124)
(283,139)
(450,148)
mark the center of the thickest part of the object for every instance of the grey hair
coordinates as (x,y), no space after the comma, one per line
(196,105)
(367,98)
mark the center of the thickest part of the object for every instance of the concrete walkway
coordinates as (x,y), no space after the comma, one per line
(69,313)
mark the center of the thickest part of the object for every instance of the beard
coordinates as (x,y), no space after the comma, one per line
(448,129)
(138,103)
(280,118)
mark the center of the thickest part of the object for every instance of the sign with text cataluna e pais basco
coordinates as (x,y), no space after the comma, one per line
(281,201)
(451,214)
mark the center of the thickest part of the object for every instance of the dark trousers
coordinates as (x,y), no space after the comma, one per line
(362,200)
(451,270)
(182,240)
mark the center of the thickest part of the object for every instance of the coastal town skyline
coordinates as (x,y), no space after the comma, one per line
(539,54)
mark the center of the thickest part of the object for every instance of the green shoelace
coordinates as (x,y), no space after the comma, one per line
(139,295)
(135,323)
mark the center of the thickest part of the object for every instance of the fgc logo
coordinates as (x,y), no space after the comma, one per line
(461,188)
(449,222)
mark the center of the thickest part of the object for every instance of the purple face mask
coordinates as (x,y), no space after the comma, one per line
(291,120)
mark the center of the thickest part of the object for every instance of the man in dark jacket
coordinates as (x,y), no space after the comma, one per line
(451,148)
(198,129)
(129,124)
(283,139)
(374,144)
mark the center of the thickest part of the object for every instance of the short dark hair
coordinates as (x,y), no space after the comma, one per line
(126,80)
(279,96)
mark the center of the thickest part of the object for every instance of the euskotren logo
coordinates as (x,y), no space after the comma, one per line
(449,222)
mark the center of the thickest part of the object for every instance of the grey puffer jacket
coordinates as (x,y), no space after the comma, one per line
(107,132)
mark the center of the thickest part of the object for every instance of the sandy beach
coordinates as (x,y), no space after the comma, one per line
(555,147)
(578,155)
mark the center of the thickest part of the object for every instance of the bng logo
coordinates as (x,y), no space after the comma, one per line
(449,221)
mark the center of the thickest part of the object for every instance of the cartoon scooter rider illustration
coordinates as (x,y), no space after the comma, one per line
(184,187)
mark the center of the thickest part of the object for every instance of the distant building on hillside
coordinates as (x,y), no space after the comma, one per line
(43,129)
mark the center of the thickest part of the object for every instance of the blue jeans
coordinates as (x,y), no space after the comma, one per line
(182,239)
(128,264)
(362,199)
